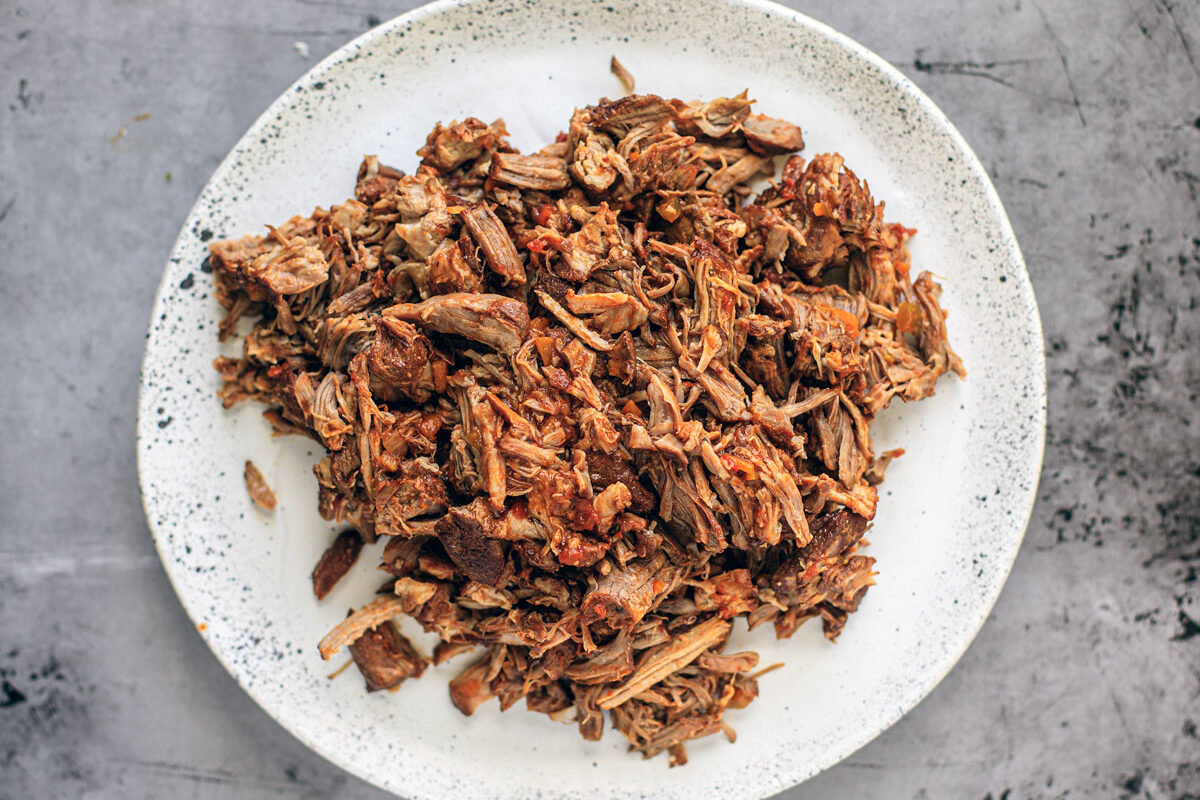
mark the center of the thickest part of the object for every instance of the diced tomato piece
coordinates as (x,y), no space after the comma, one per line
(908,317)
(848,320)
(738,464)
(584,516)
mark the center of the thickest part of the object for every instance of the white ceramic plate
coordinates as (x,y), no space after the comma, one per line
(952,513)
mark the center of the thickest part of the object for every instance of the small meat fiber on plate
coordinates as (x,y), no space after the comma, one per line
(386,658)
(256,484)
(336,561)
(601,400)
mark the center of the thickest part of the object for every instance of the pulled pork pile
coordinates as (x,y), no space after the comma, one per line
(600,400)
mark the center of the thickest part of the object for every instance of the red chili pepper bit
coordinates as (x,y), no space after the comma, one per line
(583,516)
(520,509)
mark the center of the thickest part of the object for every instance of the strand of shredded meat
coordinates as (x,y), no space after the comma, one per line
(600,400)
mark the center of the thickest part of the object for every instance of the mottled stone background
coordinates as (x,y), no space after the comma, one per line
(1085,683)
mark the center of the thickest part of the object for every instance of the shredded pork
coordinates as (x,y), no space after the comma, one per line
(257,486)
(601,400)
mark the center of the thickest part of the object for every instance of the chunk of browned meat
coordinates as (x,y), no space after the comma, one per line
(544,173)
(732,594)
(605,469)
(622,359)
(450,272)
(386,658)
(336,561)
(291,267)
(624,596)
(447,147)
(375,180)
(492,319)
(716,118)
(498,249)
(834,533)
(581,252)
(480,558)
(771,136)
(629,112)
(400,356)
(418,490)
(609,503)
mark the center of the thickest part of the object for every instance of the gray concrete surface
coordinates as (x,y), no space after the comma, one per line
(1085,683)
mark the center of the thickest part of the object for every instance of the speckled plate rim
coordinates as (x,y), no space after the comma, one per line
(916,690)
